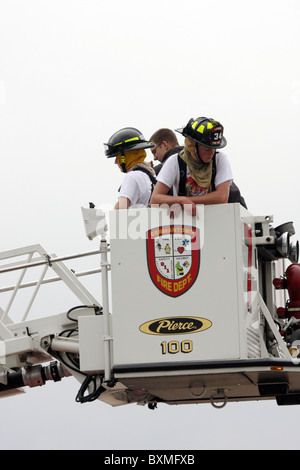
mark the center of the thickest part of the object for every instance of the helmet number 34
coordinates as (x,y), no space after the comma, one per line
(217,135)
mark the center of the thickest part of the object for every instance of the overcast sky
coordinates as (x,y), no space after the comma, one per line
(72,72)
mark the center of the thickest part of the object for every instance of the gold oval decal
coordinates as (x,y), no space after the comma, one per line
(175,325)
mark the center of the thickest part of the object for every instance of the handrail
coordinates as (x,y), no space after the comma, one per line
(49,280)
(49,260)
(68,276)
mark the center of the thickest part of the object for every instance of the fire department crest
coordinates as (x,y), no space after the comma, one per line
(173,258)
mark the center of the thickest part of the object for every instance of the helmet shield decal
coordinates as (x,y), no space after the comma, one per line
(215,136)
(173,254)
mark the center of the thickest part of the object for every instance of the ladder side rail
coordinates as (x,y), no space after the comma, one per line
(13,296)
(48,260)
(49,280)
(64,274)
(21,251)
(21,262)
(38,284)
(69,278)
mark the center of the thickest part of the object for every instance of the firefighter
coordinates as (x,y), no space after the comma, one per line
(203,139)
(128,147)
(166,144)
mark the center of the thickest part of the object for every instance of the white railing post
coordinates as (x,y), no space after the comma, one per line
(105,304)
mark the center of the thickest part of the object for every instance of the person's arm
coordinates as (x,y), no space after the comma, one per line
(129,192)
(160,196)
(123,203)
(219,196)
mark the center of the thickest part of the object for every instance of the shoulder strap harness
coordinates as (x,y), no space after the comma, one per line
(234,194)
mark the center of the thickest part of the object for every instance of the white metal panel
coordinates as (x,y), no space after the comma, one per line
(91,347)
(214,296)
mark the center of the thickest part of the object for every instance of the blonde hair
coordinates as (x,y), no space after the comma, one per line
(190,144)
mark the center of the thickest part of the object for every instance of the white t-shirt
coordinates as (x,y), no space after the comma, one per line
(170,173)
(136,186)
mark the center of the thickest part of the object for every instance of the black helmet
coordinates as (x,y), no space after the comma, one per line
(126,139)
(205,131)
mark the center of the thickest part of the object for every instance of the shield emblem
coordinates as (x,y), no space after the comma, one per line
(173,254)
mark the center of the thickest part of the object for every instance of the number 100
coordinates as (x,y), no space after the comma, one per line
(173,347)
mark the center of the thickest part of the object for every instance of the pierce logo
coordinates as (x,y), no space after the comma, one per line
(173,254)
(175,325)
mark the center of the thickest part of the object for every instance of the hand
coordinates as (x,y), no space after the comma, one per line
(189,206)
(186,204)
(174,210)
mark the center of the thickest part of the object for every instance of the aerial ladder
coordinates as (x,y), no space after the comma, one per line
(202,309)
